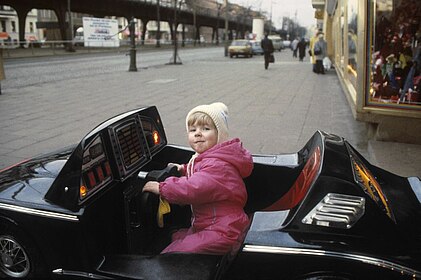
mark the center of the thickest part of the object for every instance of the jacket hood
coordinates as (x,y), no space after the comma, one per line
(231,151)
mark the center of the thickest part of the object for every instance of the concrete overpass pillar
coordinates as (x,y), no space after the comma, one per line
(61,9)
(22,11)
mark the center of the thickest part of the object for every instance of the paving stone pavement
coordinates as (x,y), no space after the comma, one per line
(272,111)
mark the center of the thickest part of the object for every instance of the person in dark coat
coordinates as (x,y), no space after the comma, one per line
(302,49)
(268,49)
(320,52)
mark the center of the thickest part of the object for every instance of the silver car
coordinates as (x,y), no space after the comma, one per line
(256,47)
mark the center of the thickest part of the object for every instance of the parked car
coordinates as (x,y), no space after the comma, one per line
(78,40)
(323,212)
(256,47)
(240,47)
(287,44)
(277,42)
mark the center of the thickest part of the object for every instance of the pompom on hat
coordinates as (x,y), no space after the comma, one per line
(218,112)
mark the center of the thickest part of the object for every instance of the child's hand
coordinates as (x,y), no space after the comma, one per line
(180,167)
(151,186)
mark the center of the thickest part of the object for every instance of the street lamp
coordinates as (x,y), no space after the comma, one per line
(70,45)
(175,55)
(226,28)
(218,6)
(132,67)
(194,24)
(158,22)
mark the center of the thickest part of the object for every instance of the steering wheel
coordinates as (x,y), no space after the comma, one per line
(149,202)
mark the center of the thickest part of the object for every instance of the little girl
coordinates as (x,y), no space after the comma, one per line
(212,183)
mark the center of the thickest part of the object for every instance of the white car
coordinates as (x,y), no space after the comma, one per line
(287,44)
(277,42)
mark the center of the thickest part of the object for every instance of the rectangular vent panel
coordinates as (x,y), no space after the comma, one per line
(130,145)
(336,210)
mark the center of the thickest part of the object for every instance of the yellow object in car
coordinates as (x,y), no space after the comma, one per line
(163,208)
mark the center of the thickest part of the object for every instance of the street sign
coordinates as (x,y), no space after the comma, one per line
(100,32)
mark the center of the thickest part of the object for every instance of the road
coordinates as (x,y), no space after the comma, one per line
(51,102)
(39,70)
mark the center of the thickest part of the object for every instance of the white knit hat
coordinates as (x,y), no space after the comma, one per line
(218,112)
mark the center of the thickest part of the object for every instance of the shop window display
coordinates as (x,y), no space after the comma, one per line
(396,54)
(352,40)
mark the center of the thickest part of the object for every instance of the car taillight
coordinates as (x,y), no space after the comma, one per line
(366,180)
(306,178)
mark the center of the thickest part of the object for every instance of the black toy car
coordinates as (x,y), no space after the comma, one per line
(321,213)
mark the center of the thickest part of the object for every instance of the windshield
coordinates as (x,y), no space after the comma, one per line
(239,43)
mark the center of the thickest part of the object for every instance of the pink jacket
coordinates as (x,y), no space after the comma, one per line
(217,195)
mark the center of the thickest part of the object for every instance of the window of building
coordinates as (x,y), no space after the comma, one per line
(3,26)
(31,27)
(342,25)
(352,16)
(13,23)
(395,57)
(5,8)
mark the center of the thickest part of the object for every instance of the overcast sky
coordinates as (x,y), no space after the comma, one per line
(301,9)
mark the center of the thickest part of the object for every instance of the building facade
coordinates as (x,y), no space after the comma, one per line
(375,46)
(9,26)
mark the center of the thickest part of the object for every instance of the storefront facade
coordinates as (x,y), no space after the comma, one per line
(375,46)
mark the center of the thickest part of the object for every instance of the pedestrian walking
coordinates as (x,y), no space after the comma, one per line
(311,49)
(294,47)
(268,49)
(301,46)
(320,52)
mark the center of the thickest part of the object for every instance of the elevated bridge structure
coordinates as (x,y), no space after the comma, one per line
(188,13)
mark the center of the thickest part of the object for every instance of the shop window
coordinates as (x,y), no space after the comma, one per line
(396,54)
(342,24)
(352,16)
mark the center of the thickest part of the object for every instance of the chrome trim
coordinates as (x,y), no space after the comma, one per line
(41,213)
(79,274)
(336,210)
(142,174)
(315,252)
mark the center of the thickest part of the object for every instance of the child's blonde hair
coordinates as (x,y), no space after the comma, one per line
(199,118)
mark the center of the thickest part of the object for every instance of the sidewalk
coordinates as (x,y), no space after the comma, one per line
(272,111)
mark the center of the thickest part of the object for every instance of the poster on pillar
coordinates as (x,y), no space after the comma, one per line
(100,32)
